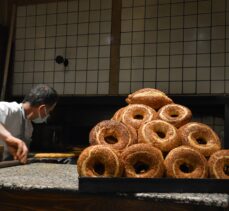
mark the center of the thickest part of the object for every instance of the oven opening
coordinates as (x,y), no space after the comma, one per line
(69,160)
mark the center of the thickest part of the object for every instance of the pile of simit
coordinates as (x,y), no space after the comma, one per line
(153,137)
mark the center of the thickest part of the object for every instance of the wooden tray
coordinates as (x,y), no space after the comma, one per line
(160,185)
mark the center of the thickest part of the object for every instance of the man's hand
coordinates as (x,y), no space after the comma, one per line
(17,149)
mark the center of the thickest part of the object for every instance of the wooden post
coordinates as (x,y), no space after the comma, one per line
(8,51)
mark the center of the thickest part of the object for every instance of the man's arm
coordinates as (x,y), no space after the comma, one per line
(16,147)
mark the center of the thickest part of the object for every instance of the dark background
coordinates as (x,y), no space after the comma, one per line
(73,118)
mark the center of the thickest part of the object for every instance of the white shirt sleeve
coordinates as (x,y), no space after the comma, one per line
(3,113)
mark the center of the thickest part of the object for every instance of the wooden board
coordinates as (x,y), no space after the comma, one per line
(54,155)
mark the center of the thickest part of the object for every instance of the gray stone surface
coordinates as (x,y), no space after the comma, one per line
(40,176)
(218,200)
(62,177)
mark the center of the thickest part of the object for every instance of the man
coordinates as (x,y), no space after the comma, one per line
(15,120)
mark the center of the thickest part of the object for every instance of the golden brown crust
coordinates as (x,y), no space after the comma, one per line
(186,162)
(99,161)
(136,114)
(219,164)
(118,114)
(200,137)
(143,161)
(54,155)
(113,134)
(148,96)
(160,134)
(175,114)
(133,134)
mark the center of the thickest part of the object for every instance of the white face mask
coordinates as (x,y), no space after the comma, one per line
(40,120)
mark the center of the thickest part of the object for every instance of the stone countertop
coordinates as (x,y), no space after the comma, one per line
(64,178)
(42,176)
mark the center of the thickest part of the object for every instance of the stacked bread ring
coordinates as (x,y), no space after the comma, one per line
(153,137)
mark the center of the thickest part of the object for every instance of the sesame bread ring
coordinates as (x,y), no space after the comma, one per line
(175,114)
(219,164)
(136,114)
(200,137)
(160,134)
(113,134)
(148,96)
(186,162)
(99,161)
(143,161)
(118,114)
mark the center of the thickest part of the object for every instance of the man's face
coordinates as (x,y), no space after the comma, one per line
(39,112)
(43,110)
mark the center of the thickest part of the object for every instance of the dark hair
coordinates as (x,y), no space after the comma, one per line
(41,94)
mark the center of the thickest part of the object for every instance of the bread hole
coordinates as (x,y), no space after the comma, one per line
(111,139)
(99,168)
(226,169)
(160,134)
(141,168)
(174,115)
(186,168)
(138,116)
(201,141)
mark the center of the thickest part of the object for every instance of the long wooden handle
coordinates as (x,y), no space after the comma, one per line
(10,163)
(8,52)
